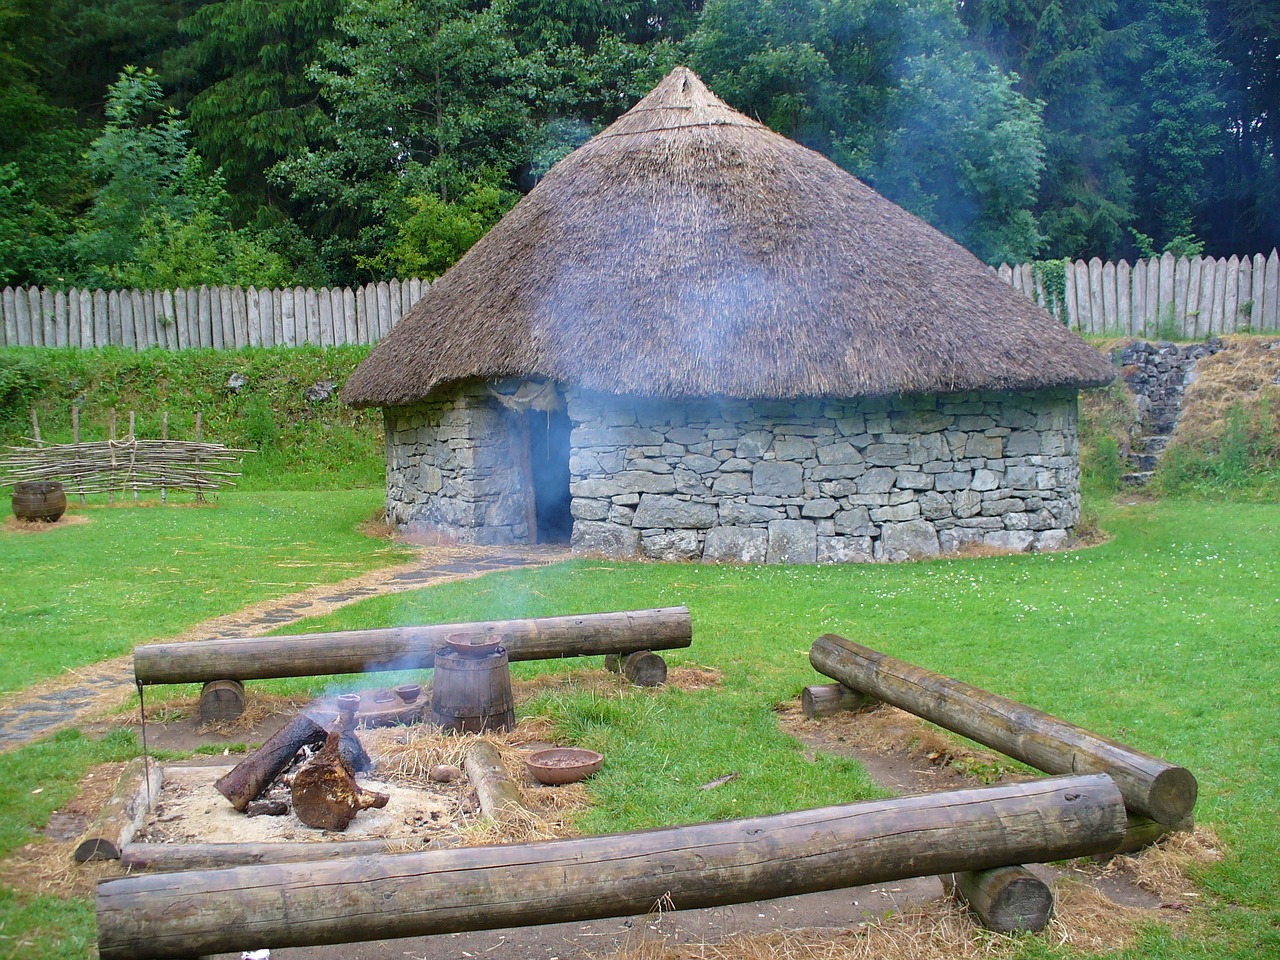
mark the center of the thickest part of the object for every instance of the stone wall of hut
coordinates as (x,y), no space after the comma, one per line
(450,468)
(761,481)
(823,481)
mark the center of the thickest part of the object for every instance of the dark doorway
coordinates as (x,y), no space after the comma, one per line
(549,466)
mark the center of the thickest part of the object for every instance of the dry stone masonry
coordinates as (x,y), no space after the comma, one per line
(758,481)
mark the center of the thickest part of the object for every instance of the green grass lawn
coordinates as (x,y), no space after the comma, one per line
(1164,637)
(82,593)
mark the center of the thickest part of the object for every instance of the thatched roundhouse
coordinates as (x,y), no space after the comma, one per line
(696,338)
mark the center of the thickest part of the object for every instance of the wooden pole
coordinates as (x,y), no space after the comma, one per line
(75,439)
(135,794)
(709,864)
(408,648)
(1004,899)
(1151,787)
(825,699)
(35,428)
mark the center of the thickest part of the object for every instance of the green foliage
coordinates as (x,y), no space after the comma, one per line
(22,378)
(1243,458)
(434,233)
(1052,275)
(1108,421)
(1185,245)
(892,92)
(1182,115)
(302,445)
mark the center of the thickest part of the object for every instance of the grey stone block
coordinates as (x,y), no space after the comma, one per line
(732,484)
(844,550)
(899,514)
(877,480)
(700,464)
(1015,541)
(910,540)
(735,512)
(793,448)
(744,544)
(752,446)
(792,541)
(584,509)
(775,479)
(671,513)
(819,509)
(605,538)
(672,546)
(856,521)
(985,480)
(914,481)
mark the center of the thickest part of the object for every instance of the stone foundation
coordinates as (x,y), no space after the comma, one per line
(759,481)
(823,481)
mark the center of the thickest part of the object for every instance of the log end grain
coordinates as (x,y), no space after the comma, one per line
(1172,795)
(1004,899)
(221,700)
(826,699)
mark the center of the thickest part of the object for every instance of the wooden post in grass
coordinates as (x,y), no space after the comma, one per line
(826,699)
(498,794)
(409,648)
(483,888)
(644,668)
(1151,787)
(1004,899)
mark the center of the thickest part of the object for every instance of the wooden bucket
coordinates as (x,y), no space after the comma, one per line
(471,694)
(39,500)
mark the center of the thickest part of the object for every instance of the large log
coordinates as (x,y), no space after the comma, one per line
(246,780)
(408,648)
(1151,787)
(710,864)
(134,796)
(643,668)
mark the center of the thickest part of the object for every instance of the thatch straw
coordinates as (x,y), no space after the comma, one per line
(689,251)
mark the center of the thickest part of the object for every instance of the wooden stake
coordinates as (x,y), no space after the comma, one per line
(35,428)
(75,439)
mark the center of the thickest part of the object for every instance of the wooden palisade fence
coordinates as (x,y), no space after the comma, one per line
(1179,298)
(222,318)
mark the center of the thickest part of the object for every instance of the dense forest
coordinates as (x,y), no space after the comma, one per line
(175,142)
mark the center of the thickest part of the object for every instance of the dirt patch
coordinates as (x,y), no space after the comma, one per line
(28,527)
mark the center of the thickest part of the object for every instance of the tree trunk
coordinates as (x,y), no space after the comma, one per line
(1151,787)
(134,796)
(244,782)
(408,648)
(710,864)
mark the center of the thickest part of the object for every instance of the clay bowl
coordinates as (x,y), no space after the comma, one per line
(563,765)
(462,643)
(408,692)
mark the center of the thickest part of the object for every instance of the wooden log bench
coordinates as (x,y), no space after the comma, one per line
(224,664)
(370,897)
(1152,787)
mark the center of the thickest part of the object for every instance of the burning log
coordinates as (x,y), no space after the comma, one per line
(1152,787)
(325,793)
(702,865)
(244,782)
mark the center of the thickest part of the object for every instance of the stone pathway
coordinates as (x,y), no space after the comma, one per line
(83,693)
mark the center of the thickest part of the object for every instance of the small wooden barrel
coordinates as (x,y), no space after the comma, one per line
(471,693)
(43,500)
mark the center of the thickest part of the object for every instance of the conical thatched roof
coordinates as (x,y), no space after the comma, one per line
(688,250)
